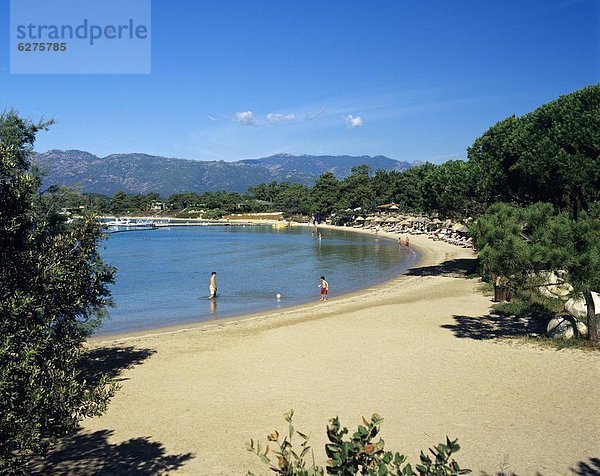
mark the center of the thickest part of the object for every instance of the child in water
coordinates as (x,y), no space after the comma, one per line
(324,289)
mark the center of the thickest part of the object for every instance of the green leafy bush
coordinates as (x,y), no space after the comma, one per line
(54,289)
(362,453)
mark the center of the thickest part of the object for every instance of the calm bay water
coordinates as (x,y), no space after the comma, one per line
(162,276)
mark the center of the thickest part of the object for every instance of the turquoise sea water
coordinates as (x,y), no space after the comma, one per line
(163,274)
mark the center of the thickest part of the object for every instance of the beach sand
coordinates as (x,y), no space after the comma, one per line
(413,350)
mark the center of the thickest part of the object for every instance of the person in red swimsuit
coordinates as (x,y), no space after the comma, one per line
(324,289)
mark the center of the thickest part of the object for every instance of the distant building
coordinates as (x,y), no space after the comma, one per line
(71,210)
(157,206)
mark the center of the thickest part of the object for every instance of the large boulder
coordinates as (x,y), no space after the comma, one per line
(566,327)
(555,286)
(577,307)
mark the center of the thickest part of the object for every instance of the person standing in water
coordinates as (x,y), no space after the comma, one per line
(324,289)
(212,286)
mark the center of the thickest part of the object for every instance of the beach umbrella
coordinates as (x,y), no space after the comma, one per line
(394,207)
(378,220)
(392,220)
(406,222)
(461,228)
(359,219)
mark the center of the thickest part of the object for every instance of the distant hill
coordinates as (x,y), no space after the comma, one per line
(142,173)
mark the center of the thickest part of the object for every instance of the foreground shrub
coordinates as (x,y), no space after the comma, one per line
(360,454)
(54,290)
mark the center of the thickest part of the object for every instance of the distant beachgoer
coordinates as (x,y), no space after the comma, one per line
(319,235)
(212,287)
(399,241)
(324,289)
(407,242)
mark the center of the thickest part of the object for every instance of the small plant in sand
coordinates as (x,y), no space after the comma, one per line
(288,461)
(359,454)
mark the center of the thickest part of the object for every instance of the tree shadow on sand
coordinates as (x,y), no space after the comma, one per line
(455,268)
(587,468)
(491,327)
(92,454)
(112,361)
(85,453)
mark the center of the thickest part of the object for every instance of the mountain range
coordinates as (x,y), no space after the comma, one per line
(142,173)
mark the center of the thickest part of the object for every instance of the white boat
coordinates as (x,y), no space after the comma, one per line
(127,224)
(119,222)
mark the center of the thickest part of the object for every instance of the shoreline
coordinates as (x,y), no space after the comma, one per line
(412,349)
(175,328)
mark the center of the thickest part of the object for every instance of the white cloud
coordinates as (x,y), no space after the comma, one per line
(353,121)
(277,118)
(245,118)
(211,118)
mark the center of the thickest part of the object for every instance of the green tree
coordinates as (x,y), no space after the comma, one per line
(525,244)
(119,203)
(294,200)
(386,185)
(180,201)
(411,191)
(584,268)
(356,190)
(266,191)
(450,190)
(326,194)
(53,288)
(549,155)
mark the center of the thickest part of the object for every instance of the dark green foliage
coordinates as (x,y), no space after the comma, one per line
(523,245)
(411,190)
(326,194)
(362,453)
(357,191)
(53,291)
(122,203)
(449,190)
(549,155)
(181,201)
(293,199)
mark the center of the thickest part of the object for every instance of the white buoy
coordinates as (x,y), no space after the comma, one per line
(278,296)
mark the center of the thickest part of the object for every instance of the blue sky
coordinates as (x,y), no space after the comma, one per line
(235,79)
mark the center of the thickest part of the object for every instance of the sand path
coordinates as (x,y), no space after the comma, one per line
(410,350)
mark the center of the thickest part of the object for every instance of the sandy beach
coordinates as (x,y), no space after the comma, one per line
(415,350)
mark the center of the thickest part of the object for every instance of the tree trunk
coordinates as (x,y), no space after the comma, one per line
(591,316)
